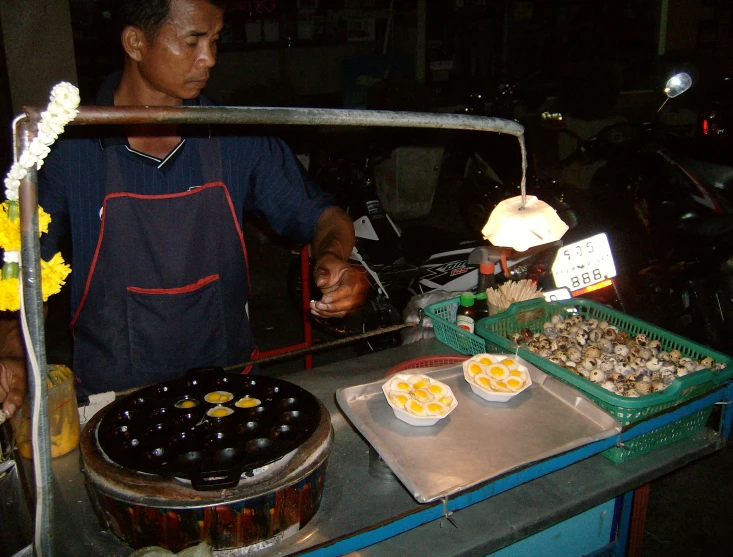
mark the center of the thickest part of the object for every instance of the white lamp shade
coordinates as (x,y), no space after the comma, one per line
(513,226)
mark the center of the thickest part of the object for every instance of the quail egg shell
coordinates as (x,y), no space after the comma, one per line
(219,411)
(247,402)
(218,397)
(187,403)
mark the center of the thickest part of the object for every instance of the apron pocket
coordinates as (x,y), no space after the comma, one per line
(174,329)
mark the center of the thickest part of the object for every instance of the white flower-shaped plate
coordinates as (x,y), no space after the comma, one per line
(495,396)
(412,419)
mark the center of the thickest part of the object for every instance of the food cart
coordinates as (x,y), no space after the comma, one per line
(569,500)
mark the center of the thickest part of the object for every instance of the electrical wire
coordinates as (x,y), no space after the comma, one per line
(40,518)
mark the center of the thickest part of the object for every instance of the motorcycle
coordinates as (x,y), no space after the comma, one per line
(680,216)
(403,262)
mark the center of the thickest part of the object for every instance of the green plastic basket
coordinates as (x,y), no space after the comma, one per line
(532,314)
(443,316)
(684,427)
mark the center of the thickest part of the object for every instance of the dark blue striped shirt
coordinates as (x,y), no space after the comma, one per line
(261,174)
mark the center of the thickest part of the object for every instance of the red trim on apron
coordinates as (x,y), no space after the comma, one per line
(181,290)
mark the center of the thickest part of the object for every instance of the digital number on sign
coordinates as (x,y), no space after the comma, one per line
(584,263)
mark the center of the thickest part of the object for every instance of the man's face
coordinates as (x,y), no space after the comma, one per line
(177,60)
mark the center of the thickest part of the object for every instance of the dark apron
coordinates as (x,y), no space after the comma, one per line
(168,285)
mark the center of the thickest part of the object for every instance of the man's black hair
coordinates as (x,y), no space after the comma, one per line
(149,15)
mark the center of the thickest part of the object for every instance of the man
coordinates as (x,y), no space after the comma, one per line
(159,280)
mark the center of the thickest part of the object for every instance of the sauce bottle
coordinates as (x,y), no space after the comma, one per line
(481,306)
(466,313)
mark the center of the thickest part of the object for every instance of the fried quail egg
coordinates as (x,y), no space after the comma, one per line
(418,381)
(187,403)
(497,371)
(435,409)
(500,386)
(423,395)
(247,402)
(218,397)
(436,389)
(399,399)
(474,368)
(514,383)
(415,407)
(401,385)
(485,359)
(483,381)
(510,363)
(446,400)
(219,411)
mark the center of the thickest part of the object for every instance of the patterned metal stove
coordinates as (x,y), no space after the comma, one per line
(233,460)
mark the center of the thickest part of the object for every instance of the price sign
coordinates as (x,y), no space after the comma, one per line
(584,263)
(556,295)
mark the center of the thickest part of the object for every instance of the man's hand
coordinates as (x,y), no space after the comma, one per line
(13,380)
(344,287)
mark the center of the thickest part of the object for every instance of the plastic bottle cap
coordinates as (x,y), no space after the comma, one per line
(482,296)
(467,299)
(486,268)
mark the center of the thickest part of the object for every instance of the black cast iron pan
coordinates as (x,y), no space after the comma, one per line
(171,429)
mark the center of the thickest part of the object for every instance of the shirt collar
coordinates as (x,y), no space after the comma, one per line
(106,97)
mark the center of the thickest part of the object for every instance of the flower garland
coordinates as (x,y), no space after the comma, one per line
(61,110)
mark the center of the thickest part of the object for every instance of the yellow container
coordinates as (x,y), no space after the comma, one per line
(63,415)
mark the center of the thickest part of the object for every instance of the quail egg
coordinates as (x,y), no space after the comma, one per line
(218,397)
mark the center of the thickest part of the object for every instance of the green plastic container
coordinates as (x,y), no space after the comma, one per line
(495,330)
(443,316)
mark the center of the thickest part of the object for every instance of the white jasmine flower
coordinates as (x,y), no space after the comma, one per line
(38,148)
(11,188)
(65,94)
(51,122)
(61,110)
(47,133)
(12,257)
(27,159)
(17,172)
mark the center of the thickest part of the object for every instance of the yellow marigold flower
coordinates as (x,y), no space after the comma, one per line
(9,295)
(53,275)
(10,230)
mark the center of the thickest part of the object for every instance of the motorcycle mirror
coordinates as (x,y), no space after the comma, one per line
(677,85)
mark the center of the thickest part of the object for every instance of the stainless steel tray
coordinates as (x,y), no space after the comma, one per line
(479,440)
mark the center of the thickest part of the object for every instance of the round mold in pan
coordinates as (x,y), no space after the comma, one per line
(149,431)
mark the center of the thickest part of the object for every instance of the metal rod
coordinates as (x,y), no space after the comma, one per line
(322,346)
(284,116)
(33,306)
